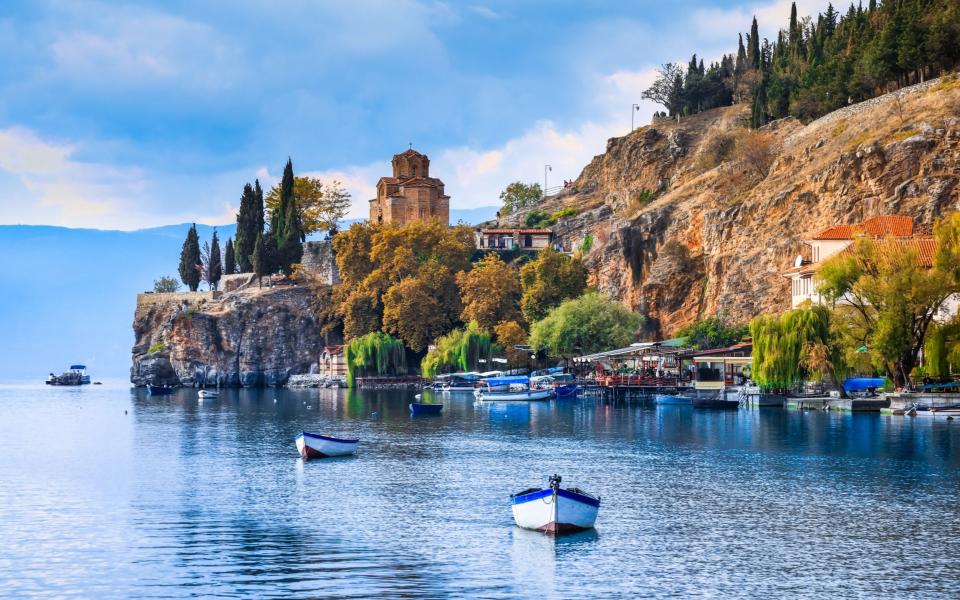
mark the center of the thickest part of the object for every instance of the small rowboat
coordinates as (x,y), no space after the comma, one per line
(555,510)
(672,400)
(208,394)
(418,408)
(312,445)
(160,390)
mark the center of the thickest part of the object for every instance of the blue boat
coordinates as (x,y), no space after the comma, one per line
(418,408)
(672,400)
(160,390)
(565,391)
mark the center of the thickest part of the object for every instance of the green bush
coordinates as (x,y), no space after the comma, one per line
(586,244)
(563,213)
(537,218)
(158,347)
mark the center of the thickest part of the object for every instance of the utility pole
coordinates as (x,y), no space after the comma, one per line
(546,168)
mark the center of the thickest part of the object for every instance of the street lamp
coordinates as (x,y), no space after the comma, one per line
(546,168)
(633,109)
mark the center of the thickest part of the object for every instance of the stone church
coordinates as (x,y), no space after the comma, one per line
(411,194)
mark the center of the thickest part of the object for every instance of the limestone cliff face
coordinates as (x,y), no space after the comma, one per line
(246,337)
(678,236)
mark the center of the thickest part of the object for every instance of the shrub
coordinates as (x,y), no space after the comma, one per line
(537,218)
(166,285)
(717,150)
(157,347)
(755,152)
(586,244)
(563,213)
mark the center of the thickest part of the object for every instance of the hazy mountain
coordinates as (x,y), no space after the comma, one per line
(68,295)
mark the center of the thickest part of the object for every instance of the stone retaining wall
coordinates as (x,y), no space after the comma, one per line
(150,298)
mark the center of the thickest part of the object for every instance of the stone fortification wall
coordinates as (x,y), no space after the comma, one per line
(318,260)
(151,298)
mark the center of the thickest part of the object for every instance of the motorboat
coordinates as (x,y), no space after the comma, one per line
(419,408)
(160,390)
(719,401)
(460,382)
(208,394)
(75,375)
(555,510)
(81,371)
(313,445)
(511,388)
(672,400)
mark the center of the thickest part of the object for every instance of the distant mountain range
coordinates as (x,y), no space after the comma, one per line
(68,295)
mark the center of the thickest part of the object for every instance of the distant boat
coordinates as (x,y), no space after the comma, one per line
(312,445)
(160,390)
(718,401)
(418,408)
(208,394)
(515,388)
(81,371)
(564,385)
(555,510)
(458,382)
(75,375)
(672,400)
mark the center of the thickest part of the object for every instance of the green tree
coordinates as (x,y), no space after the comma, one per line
(461,349)
(519,195)
(667,88)
(248,227)
(794,346)
(712,332)
(590,323)
(548,281)
(190,259)
(264,256)
(214,265)
(891,297)
(374,354)
(320,206)
(229,260)
(489,292)
(165,285)
(418,309)
(285,224)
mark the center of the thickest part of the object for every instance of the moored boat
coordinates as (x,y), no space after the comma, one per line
(313,445)
(419,408)
(672,400)
(159,390)
(555,510)
(208,394)
(516,388)
(718,401)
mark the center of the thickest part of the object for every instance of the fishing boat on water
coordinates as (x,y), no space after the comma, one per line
(512,388)
(313,445)
(564,385)
(459,382)
(160,390)
(419,408)
(555,510)
(75,375)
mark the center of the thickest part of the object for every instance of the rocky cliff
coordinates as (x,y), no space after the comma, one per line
(701,217)
(248,337)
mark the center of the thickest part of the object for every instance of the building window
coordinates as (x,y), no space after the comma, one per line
(528,241)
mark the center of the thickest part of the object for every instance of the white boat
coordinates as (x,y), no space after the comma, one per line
(208,394)
(554,509)
(458,382)
(520,395)
(312,445)
(515,387)
(81,371)
(951,412)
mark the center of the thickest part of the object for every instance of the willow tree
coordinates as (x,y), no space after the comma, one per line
(892,293)
(797,345)
(461,349)
(375,353)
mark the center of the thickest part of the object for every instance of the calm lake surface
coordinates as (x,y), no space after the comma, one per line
(106,492)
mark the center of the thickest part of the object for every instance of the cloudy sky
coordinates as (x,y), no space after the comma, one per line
(136,114)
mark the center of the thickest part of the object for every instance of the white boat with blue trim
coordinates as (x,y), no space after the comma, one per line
(510,388)
(555,510)
(313,445)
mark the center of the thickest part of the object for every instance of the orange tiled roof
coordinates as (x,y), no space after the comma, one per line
(521,231)
(876,227)
(926,248)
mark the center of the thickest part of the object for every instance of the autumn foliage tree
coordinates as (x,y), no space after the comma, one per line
(319,205)
(549,280)
(489,292)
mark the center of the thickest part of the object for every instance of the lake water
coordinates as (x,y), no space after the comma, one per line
(105,492)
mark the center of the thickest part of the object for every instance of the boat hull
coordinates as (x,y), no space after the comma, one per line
(716,403)
(311,445)
(564,512)
(159,390)
(672,400)
(418,408)
(565,391)
(515,396)
(206,394)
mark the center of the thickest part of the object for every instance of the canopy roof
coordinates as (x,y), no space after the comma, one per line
(522,379)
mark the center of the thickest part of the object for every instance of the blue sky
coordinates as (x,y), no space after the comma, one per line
(136,114)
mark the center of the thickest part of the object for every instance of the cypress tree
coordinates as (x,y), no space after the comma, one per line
(753,52)
(190,259)
(215,266)
(288,230)
(741,64)
(259,259)
(229,262)
(794,29)
(246,229)
(258,211)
